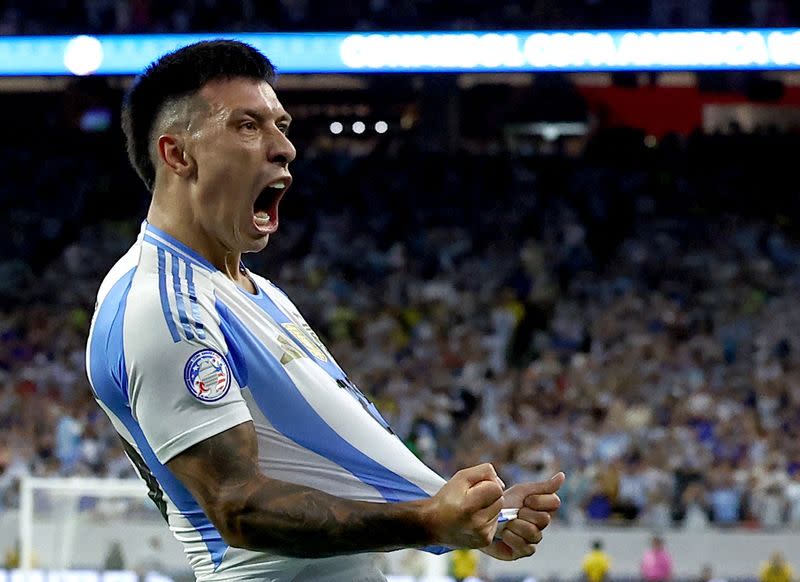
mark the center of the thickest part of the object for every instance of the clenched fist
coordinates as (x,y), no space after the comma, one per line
(537,502)
(463,514)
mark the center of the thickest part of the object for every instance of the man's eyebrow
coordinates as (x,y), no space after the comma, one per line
(254,113)
(259,115)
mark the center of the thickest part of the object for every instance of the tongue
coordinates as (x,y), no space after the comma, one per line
(266,219)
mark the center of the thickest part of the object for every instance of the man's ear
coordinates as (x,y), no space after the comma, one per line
(172,152)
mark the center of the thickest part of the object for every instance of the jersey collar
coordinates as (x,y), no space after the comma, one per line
(158,237)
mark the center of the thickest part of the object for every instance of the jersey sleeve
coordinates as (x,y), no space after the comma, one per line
(182,387)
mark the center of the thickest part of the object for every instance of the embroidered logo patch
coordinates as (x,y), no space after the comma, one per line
(207,375)
(308,339)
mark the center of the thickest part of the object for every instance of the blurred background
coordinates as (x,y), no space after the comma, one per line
(596,272)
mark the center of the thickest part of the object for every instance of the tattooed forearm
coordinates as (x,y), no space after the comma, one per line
(307,522)
(258,513)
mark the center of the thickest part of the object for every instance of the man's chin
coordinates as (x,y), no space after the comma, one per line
(257,245)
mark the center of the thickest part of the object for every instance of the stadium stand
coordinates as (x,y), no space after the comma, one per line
(619,326)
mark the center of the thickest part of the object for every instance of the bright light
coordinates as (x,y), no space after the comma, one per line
(550,132)
(381,126)
(83,55)
(650,141)
(359,127)
(336,128)
(428,52)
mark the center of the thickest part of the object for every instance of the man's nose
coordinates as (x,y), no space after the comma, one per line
(282,151)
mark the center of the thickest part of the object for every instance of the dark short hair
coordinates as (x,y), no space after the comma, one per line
(597,545)
(179,74)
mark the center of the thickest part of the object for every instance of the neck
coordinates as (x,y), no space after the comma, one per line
(193,236)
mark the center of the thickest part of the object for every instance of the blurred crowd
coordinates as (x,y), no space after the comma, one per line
(626,317)
(130,16)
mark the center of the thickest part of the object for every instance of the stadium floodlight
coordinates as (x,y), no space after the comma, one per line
(381,127)
(427,52)
(336,127)
(359,127)
(83,55)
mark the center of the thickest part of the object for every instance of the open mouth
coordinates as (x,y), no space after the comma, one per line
(265,208)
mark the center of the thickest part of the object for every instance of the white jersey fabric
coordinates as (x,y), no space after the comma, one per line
(177,353)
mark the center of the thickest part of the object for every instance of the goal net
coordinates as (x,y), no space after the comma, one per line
(87,523)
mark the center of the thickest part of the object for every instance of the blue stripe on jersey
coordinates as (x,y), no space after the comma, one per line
(162,291)
(179,301)
(267,305)
(265,302)
(160,238)
(107,357)
(285,407)
(198,323)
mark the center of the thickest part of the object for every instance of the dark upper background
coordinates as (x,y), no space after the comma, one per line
(109,16)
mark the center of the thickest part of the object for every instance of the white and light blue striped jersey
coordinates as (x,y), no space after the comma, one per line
(178,353)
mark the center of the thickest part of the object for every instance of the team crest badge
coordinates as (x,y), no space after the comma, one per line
(308,339)
(207,375)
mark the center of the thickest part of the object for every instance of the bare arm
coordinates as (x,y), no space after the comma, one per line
(255,512)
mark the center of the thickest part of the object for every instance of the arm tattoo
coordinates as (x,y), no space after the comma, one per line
(259,513)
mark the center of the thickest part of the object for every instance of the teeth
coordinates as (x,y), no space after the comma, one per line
(261,215)
(277,185)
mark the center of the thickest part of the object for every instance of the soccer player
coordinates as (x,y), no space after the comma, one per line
(776,570)
(596,564)
(263,457)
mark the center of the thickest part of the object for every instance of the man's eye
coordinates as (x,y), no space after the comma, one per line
(284,127)
(249,125)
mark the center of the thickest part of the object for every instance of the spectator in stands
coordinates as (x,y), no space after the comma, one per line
(793,499)
(695,507)
(725,497)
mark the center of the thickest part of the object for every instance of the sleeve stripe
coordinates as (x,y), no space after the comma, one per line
(179,300)
(198,324)
(162,289)
(189,314)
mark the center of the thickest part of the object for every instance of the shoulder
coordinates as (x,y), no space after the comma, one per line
(120,274)
(154,274)
(171,294)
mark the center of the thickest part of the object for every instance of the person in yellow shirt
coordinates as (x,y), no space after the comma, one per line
(12,557)
(464,564)
(776,570)
(596,564)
